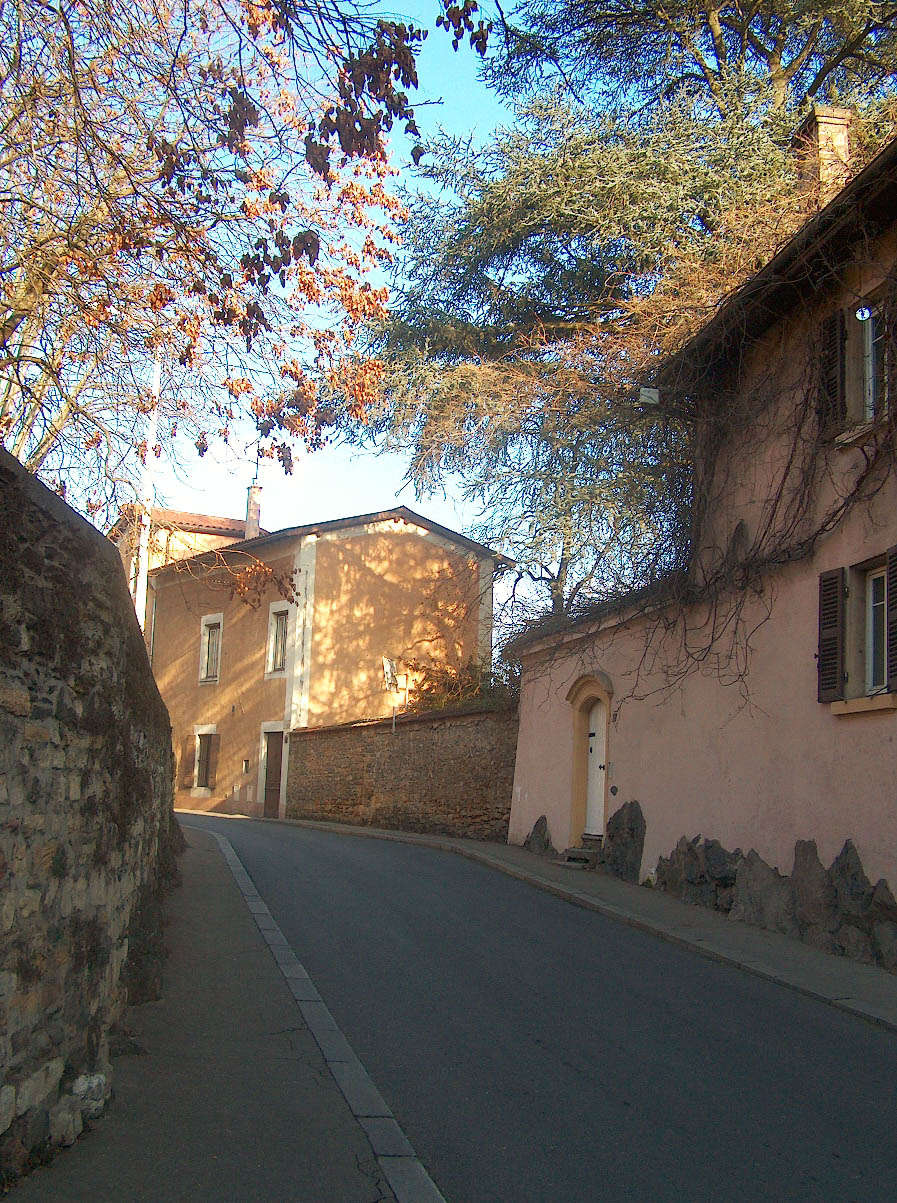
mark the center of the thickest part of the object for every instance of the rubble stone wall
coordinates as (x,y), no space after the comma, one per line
(85,812)
(438,772)
(836,909)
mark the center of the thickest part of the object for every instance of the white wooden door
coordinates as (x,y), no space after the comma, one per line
(597,770)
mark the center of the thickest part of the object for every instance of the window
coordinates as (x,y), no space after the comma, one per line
(210,648)
(857,647)
(875,393)
(278,631)
(203,761)
(876,626)
(199,759)
(856,367)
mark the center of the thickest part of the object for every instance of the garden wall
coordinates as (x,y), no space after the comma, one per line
(86,824)
(450,773)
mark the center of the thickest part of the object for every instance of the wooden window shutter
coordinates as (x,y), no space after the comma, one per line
(831,405)
(214,745)
(830,655)
(188,761)
(891,619)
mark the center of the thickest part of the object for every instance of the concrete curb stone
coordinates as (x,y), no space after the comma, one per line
(407,1177)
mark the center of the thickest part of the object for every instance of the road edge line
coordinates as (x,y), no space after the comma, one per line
(404,1171)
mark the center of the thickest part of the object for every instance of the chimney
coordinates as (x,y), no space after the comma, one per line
(253,510)
(822,147)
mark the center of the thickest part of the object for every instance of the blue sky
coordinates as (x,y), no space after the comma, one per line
(338,482)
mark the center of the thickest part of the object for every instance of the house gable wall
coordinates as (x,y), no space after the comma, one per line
(244,695)
(386,590)
(361,593)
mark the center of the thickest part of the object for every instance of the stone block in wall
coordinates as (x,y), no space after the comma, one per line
(36,1088)
(816,903)
(764,897)
(624,842)
(539,839)
(853,942)
(884,941)
(853,890)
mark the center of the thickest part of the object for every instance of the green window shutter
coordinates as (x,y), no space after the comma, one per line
(830,654)
(831,404)
(891,619)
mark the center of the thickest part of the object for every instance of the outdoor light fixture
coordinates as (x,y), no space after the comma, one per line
(863,313)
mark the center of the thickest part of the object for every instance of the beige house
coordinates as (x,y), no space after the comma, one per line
(752,697)
(309,626)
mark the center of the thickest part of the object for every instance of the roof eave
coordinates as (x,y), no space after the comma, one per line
(293,532)
(756,303)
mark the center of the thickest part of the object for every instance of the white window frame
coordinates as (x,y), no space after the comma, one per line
(875,383)
(274,610)
(208,623)
(201,791)
(873,687)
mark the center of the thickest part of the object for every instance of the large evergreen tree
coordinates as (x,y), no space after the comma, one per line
(546,273)
(790,54)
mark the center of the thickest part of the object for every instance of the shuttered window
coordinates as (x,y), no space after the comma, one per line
(278,641)
(830,653)
(875,385)
(213,645)
(210,647)
(206,760)
(831,400)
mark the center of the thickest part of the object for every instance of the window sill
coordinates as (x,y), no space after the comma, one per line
(879,701)
(208,680)
(862,433)
(275,674)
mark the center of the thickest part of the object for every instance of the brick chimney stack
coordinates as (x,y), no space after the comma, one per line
(822,146)
(253,510)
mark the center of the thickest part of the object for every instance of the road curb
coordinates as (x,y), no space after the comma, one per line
(696,944)
(403,1170)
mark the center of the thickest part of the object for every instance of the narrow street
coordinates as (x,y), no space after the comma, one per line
(533,1051)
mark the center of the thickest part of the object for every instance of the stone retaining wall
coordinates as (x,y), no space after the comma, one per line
(85,812)
(836,909)
(438,772)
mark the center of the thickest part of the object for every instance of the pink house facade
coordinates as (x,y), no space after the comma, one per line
(752,698)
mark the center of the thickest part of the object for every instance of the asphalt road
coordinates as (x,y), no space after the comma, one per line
(535,1052)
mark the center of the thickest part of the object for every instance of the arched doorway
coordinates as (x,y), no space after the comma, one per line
(590,699)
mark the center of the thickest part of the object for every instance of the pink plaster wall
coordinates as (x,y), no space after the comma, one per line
(758,771)
(760,774)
